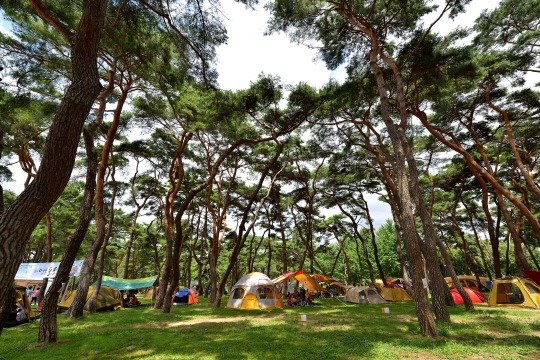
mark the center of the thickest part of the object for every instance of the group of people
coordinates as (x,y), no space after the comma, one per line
(32,294)
(299,298)
(131,299)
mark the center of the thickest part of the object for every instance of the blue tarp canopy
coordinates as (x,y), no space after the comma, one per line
(129,284)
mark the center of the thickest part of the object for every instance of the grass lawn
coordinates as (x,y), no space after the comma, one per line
(332,331)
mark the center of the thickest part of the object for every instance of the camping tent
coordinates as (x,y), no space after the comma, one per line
(395,294)
(363,295)
(305,279)
(338,288)
(476,296)
(185,296)
(108,298)
(255,291)
(515,291)
(532,275)
(468,281)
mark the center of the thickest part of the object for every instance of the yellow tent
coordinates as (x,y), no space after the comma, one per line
(515,292)
(20,297)
(108,298)
(255,291)
(395,294)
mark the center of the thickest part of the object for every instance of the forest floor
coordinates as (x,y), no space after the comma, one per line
(333,330)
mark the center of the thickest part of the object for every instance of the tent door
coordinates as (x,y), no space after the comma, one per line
(250,302)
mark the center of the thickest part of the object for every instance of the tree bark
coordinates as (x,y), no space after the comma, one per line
(103,254)
(48,330)
(373,239)
(363,242)
(424,314)
(477,239)
(19,220)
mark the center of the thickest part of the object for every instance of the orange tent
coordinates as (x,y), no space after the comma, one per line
(322,278)
(307,280)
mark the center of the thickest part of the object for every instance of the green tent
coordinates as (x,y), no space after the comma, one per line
(129,284)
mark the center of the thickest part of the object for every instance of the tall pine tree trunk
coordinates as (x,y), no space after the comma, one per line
(48,330)
(19,220)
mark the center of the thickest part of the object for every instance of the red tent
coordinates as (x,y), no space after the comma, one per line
(476,296)
(533,275)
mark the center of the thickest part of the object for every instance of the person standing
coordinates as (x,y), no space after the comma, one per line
(35,295)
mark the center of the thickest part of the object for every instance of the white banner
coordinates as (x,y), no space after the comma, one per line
(38,271)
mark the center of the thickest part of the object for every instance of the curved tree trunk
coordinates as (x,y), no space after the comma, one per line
(425,316)
(493,238)
(19,220)
(477,239)
(48,330)
(176,177)
(101,265)
(373,239)
(76,309)
(362,241)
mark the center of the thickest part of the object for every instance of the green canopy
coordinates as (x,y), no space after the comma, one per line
(128,284)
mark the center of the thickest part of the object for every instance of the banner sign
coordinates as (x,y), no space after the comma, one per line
(38,271)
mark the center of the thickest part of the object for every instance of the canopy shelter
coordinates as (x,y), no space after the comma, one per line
(305,279)
(322,278)
(476,296)
(129,284)
(255,291)
(515,292)
(363,295)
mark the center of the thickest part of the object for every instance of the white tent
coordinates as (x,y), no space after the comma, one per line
(255,291)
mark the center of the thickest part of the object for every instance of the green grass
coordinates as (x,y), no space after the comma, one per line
(333,331)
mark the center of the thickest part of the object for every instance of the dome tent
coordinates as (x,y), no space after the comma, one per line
(476,296)
(515,292)
(255,291)
(363,295)
(185,296)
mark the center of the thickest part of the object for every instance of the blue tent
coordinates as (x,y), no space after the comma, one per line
(182,292)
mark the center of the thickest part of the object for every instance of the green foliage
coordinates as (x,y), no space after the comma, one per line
(386,241)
